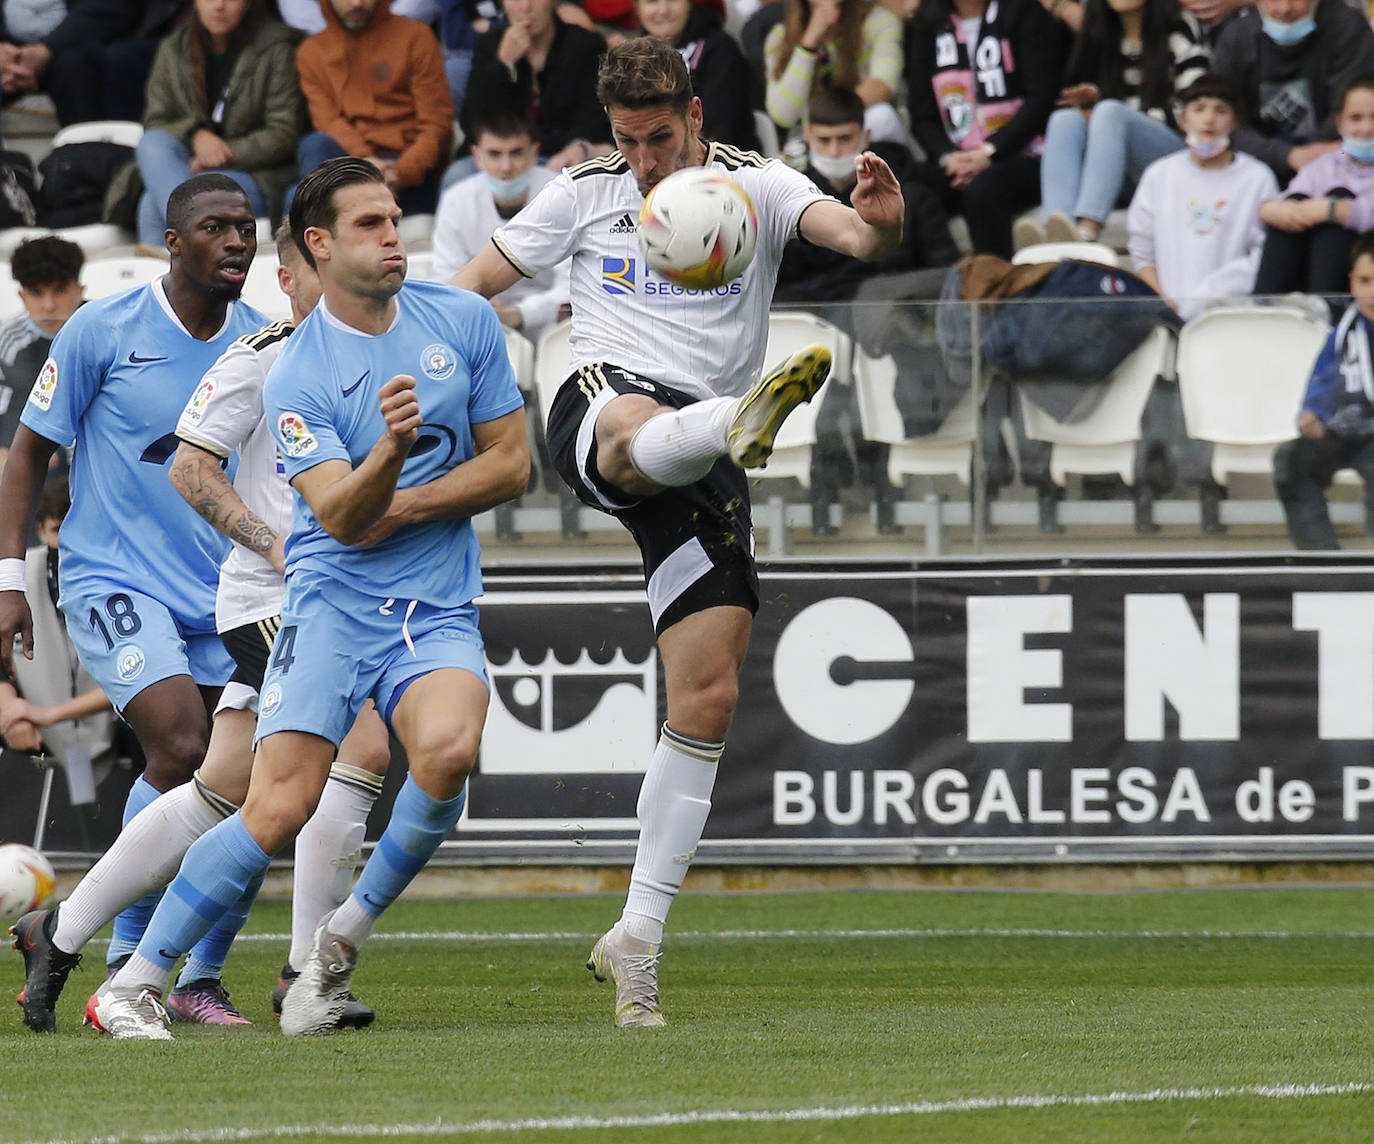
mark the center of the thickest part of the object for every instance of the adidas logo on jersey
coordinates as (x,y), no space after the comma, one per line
(626,225)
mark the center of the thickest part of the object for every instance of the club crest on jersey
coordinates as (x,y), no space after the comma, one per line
(131,663)
(45,386)
(195,410)
(438,362)
(271,700)
(618,275)
(295,435)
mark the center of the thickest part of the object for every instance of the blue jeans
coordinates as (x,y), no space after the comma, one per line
(164,162)
(1089,158)
(317,146)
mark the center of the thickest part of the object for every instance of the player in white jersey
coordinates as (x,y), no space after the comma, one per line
(661,416)
(138,566)
(224,418)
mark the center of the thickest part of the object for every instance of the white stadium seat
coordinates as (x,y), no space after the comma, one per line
(105,276)
(948,451)
(124,132)
(261,291)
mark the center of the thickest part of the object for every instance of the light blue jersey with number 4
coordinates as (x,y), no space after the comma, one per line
(321,401)
(121,372)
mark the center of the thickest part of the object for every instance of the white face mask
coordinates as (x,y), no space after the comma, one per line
(1208,148)
(836,168)
(508,190)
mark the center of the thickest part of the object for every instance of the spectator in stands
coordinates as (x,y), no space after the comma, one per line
(1195,235)
(982,79)
(1337,419)
(222,96)
(827,284)
(1194,219)
(48,271)
(1309,230)
(716,62)
(508,176)
(1290,59)
(1129,61)
(853,44)
(308,15)
(61,706)
(538,63)
(51,45)
(376,89)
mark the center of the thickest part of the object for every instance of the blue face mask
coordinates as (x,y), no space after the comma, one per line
(508,190)
(1361,150)
(1286,35)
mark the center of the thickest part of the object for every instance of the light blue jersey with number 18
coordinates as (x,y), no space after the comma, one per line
(121,371)
(321,403)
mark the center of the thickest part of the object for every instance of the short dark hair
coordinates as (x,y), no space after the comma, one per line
(46,261)
(1212,85)
(1364,81)
(314,202)
(503,122)
(1363,244)
(55,501)
(183,196)
(646,72)
(834,106)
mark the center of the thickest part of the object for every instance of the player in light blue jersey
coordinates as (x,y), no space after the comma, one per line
(398,417)
(139,567)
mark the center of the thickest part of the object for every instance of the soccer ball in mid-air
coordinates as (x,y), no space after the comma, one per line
(698,228)
(26,879)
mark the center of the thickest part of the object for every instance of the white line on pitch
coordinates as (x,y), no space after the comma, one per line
(731,1115)
(568,935)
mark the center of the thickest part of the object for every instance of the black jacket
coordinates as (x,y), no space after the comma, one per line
(719,79)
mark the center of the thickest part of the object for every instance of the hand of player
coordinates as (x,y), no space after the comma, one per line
(1310,425)
(15,620)
(276,555)
(401,410)
(388,522)
(877,196)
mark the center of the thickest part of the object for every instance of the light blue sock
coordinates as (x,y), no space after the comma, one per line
(418,824)
(208,955)
(217,871)
(130,924)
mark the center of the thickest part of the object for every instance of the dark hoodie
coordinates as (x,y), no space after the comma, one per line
(380,91)
(719,74)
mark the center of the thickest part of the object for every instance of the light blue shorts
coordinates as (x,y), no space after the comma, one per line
(129,641)
(337,648)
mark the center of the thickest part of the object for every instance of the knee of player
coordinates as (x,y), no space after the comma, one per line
(277,819)
(448,759)
(709,704)
(173,759)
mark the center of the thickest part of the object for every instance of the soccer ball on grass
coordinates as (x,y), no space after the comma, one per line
(698,228)
(26,879)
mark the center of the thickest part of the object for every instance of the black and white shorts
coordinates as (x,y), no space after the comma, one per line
(697,541)
(251,648)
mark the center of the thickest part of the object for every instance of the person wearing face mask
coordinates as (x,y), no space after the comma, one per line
(48,271)
(1291,59)
(508,176)
(1310,229)
(1195,235)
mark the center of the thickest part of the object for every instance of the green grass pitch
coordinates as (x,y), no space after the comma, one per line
(1236,1015)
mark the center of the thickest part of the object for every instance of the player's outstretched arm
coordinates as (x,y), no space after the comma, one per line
(196,474)
(872,227)
(500,471)
(346,500)
(20,486)
(489,273)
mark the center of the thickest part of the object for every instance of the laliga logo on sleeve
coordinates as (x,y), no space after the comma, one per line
(296,438)
(195,410)
(438,362)
(45,386)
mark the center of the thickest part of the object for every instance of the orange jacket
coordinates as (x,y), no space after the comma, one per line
(381,91)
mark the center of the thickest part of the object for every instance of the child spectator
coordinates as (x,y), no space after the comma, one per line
(1310,229)
(1129,61)
(1194,219)
(1337,419)
(48,271)
(982,79)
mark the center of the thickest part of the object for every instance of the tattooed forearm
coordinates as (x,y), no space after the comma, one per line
(198,477)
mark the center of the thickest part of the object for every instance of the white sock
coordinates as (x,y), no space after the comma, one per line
(673,804)
(328,850)
(679,447)
(139,974)
(145,856)
(352,923)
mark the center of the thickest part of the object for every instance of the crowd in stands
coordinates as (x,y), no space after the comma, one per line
(1235,139)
